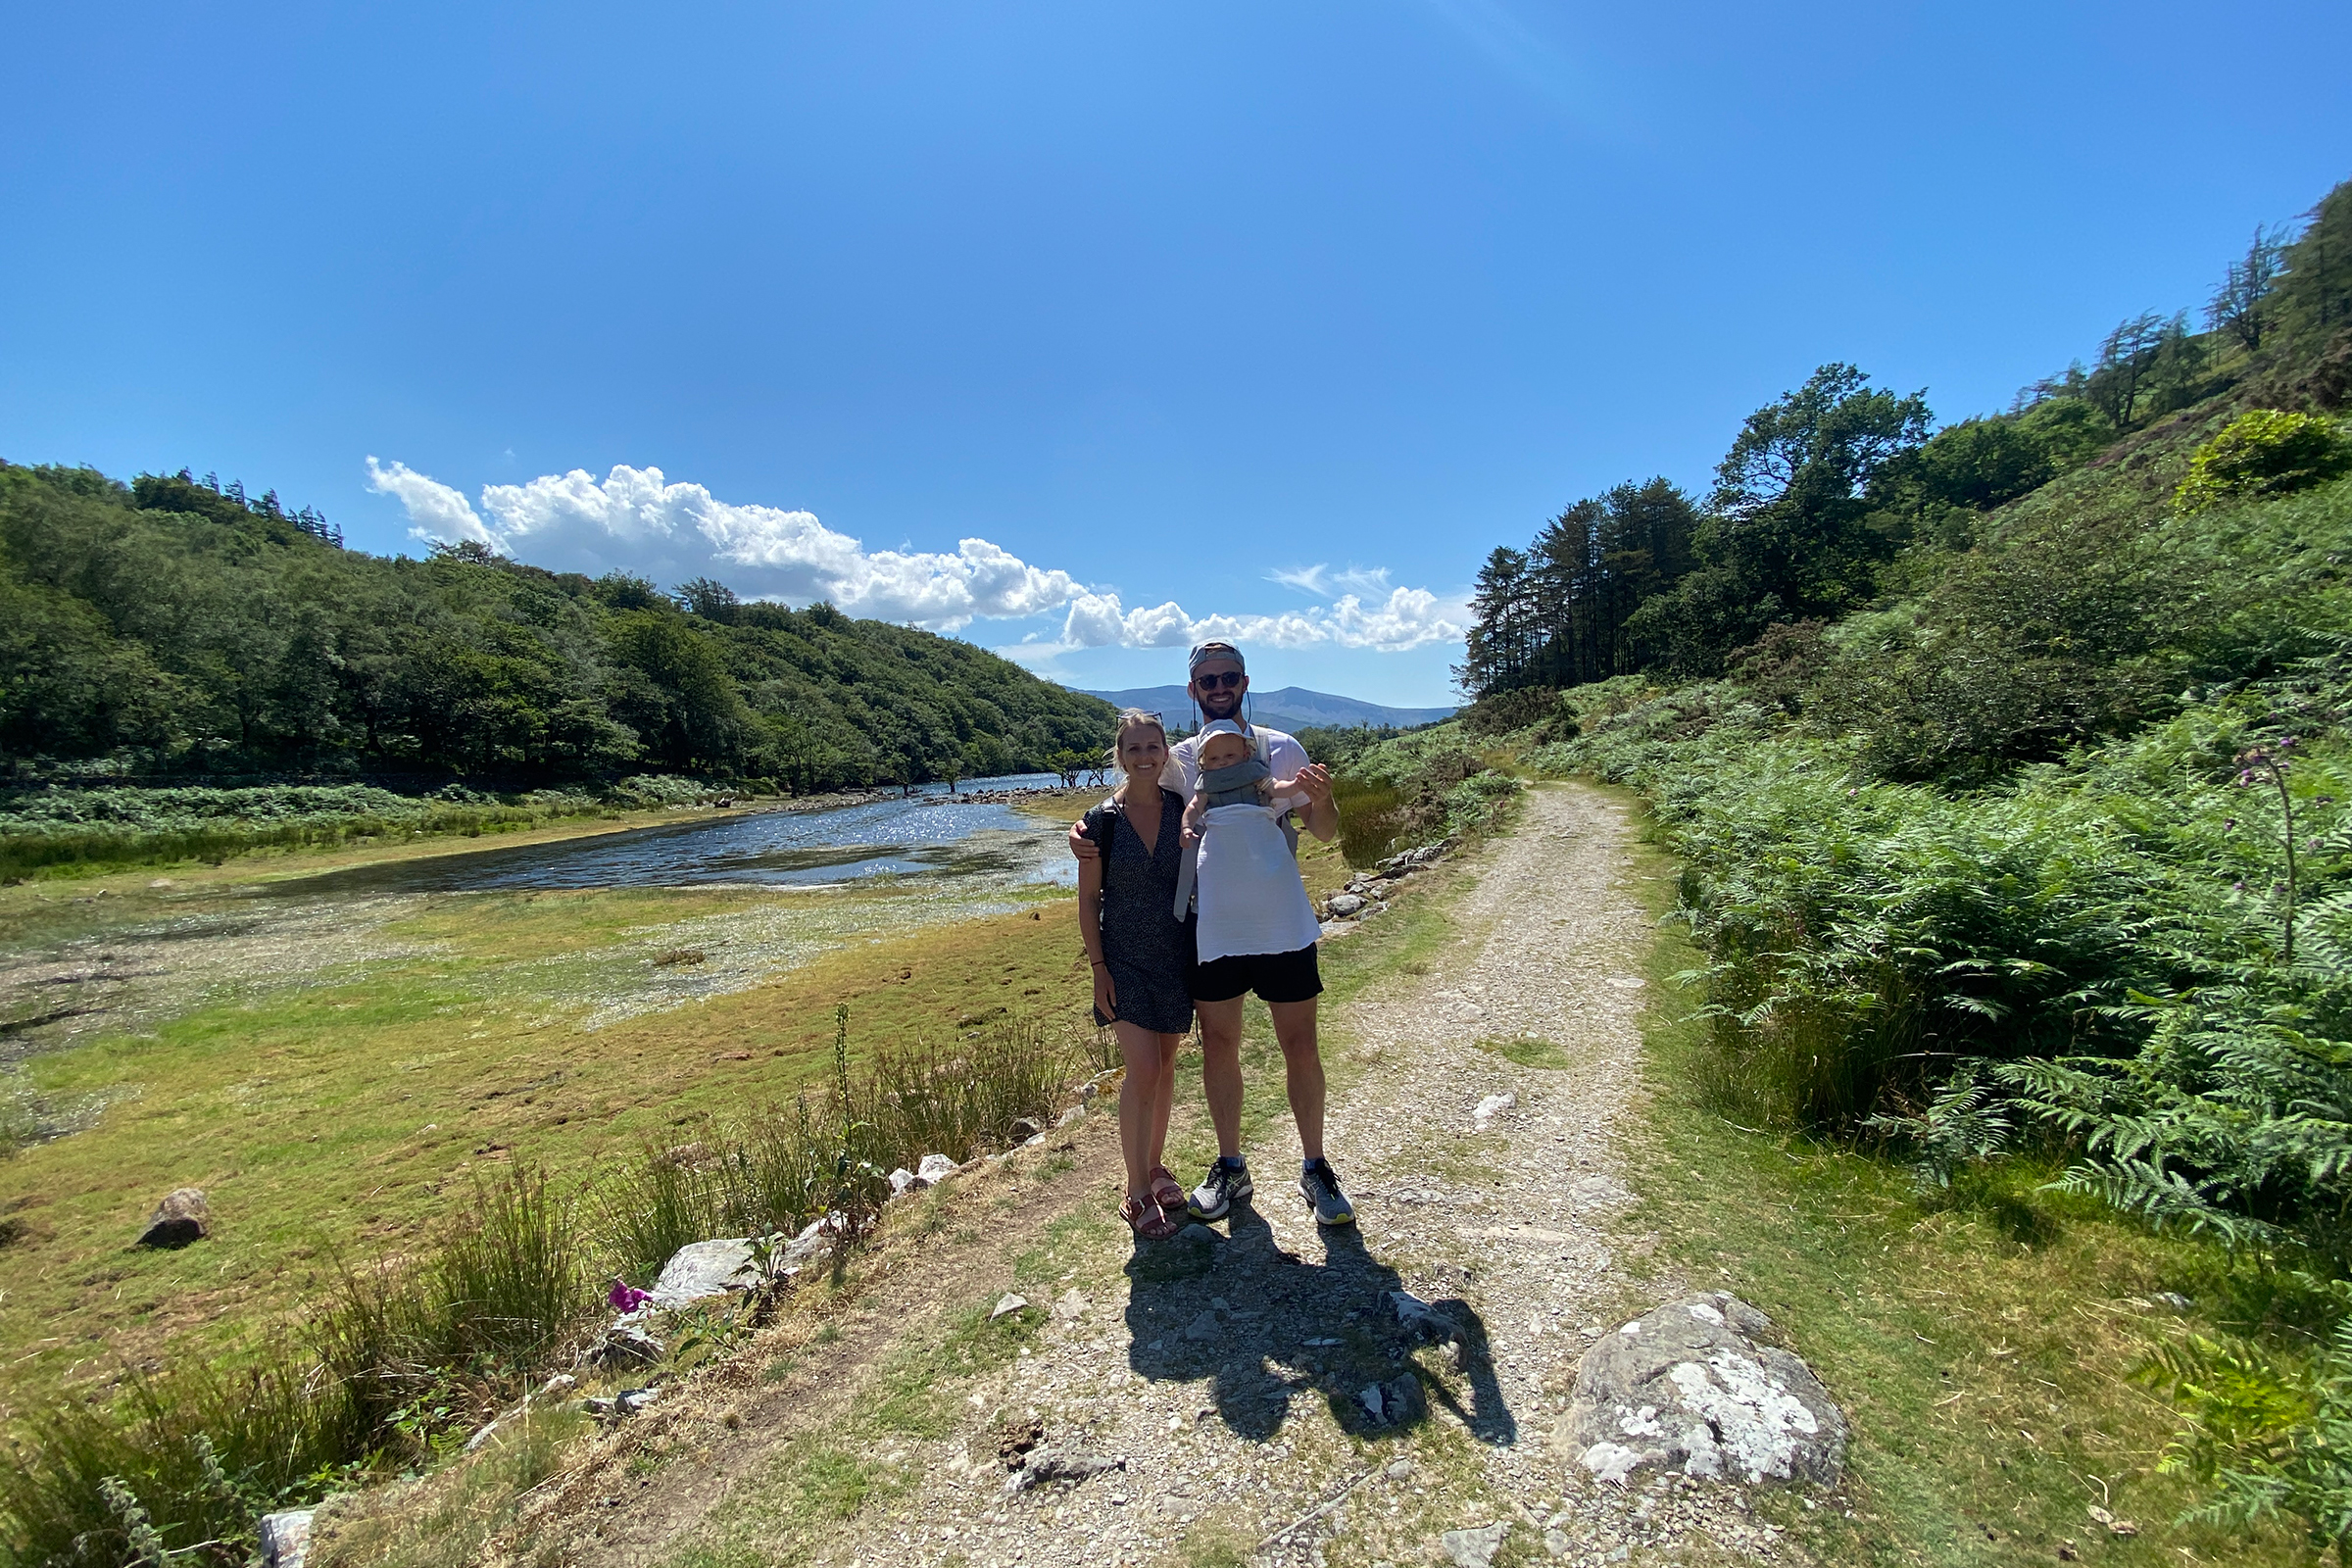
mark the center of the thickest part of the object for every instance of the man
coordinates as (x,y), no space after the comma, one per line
(1287,982)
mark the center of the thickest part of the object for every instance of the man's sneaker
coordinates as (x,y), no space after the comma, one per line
(1321,1185)
(1225,1186)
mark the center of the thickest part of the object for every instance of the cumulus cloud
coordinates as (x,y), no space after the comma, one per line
(634,519)
(1409,618)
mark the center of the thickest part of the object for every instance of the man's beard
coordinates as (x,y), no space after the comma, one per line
(1221,703)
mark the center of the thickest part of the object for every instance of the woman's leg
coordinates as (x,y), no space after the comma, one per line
(1141,1103)
(1163,1098)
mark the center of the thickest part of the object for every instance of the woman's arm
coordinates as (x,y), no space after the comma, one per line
(1090,932)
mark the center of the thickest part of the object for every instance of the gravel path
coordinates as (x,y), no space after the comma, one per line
(1265,1403)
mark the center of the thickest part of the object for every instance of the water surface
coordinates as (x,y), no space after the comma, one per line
(926,834)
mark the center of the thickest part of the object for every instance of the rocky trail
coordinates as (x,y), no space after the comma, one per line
(1257,1392)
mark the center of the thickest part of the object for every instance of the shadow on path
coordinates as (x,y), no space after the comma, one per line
(1266,1327)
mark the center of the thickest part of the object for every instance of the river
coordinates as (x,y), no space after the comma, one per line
(929,833)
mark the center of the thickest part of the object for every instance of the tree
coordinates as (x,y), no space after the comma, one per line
(2241,307)
(709,599)
(2126,357)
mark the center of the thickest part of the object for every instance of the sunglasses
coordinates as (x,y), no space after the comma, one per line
(1224,681)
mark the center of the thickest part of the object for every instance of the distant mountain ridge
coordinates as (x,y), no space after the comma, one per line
(1286,707)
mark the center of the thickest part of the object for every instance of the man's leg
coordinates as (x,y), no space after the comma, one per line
(1302,1071)
(1221,1071)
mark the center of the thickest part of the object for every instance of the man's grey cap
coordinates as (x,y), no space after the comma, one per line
(1210,653)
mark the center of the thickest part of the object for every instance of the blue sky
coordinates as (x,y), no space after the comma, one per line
(1163,308)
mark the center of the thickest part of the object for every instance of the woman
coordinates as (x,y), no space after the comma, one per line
(1141,954)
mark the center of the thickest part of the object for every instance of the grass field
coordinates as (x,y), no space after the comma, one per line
(1981,1338)
(344,1100)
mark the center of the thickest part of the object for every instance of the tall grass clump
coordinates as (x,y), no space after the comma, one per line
(194,1455)
(421,1345)
(825,1153)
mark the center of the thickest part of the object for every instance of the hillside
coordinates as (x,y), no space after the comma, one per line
(2007,767)
(1287,708)
(166,628)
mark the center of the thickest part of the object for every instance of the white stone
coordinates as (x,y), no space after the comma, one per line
(1492,1106)
(286,1538)
(1008,1304)
(935,1167)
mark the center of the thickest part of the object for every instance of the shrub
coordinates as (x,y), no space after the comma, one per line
(1505,711)
(2264,453)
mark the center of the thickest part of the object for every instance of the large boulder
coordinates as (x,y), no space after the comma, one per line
(1686,1386)
(182,1217)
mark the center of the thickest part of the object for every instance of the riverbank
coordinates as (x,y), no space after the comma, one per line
(328,1070)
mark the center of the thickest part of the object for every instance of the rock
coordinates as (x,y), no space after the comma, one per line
(626,1344)
(1418,1318)
(806,1246)
(1006,1305)
(286,1538)
(599,1408)
(482,1435)
(1400,1469)
(182,1217)
(903,1181)
(1072,1304)
(1492,1106)
(1475,1549)
(1050,1464)
(560,1383)
(1686,1387)
(632,1401)
(933,1168)
(700,1270)
(1071,1117)
(2171,1300)
(1397,1399)
(1023,1129)
(1345,904)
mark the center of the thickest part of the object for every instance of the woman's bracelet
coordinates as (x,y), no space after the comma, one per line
(1098,964)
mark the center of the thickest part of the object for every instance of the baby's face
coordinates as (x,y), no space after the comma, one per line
(1223,751)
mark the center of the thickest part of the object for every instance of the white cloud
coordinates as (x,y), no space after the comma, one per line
(1409,618)
(435,510)
(1319,579)
(634,520)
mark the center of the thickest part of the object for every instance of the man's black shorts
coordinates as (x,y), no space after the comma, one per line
(1274,976)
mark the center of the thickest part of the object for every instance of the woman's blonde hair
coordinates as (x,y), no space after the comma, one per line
(1129,718)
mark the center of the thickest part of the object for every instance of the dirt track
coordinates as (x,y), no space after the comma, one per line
(1229,1373)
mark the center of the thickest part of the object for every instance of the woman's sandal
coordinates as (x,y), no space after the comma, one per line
(1145,1218)
(1165,1191)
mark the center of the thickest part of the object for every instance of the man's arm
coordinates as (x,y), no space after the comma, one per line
(1084,847)
(1322,812)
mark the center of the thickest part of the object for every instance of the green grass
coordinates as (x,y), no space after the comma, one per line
(1527,1051)
(1981,1339)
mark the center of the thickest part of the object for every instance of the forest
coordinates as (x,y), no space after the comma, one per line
(174,631)
(2007,766)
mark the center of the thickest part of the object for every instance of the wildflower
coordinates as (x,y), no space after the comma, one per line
(627,1297)
(2237,887)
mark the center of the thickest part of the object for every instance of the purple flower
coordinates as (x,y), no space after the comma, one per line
(2237,887)
(627,1297)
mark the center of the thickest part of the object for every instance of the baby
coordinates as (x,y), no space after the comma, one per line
(1232,773)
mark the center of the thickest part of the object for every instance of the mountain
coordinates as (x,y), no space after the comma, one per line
(167,626)
(1287,708)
